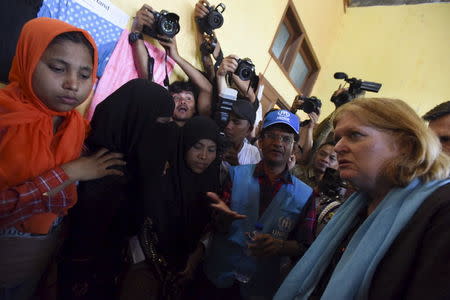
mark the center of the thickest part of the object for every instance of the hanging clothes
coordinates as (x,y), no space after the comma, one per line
(121,68)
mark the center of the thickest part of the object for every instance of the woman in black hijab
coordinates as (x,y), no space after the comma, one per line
(179,211)
(109,210)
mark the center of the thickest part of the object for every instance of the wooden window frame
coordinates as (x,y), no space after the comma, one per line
(296,43)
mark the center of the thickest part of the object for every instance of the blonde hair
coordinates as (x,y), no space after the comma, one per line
(421,155)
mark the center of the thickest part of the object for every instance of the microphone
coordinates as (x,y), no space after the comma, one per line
(340,75)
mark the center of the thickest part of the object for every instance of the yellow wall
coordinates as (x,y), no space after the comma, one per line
(249,29)
(406,48)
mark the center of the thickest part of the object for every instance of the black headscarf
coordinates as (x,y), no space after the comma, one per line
(110,208)
(181,210)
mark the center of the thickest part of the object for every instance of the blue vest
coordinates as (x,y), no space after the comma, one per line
(279,219)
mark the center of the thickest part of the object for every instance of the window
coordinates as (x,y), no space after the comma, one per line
(293,53)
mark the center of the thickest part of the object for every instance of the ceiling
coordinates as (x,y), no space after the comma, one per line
(357,3)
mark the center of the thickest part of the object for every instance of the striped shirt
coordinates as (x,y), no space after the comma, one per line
(20,202)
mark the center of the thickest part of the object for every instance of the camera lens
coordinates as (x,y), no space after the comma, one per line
(246,73)
(215,20)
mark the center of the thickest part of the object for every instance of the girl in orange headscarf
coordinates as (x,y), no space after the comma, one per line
(41,137)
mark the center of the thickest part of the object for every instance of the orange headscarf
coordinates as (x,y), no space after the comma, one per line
(29,147)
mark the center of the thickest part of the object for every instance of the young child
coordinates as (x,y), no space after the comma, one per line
(41,137)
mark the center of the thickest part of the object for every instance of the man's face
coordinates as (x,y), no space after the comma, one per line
(441,127)
(237,129)
(277,146)
(324,158)
(184,105)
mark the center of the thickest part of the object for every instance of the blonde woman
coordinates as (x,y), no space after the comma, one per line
(389,240)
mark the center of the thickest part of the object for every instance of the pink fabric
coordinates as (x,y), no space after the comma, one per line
(120,69)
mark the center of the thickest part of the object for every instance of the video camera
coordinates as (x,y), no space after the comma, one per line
(356,86)
(212,20)
(166,24)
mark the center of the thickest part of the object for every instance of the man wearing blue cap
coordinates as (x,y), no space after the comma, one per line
(266,194)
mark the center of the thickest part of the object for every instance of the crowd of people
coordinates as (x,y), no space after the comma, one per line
(159,198)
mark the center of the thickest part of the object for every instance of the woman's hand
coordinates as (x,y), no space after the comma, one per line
(94,166)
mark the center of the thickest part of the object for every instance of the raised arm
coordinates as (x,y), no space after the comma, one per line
(143,17)
(197,78)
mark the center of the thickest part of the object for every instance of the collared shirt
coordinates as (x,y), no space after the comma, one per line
(20,202)
(304,231)
(249,154)
(269,189)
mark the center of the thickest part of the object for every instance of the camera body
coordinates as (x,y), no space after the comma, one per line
(166,24)
(356,87)
(331,184)
(245,69)
(208,45)
(212,20)
(310,104)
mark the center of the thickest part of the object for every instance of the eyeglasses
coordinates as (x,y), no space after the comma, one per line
(285,139)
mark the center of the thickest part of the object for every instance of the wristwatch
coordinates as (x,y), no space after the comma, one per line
(134,36)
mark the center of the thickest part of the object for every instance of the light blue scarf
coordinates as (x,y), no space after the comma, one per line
(353,274)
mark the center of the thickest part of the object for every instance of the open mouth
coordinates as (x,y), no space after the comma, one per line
(182,108)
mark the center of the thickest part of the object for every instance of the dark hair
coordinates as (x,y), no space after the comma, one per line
(183,86)
(327,143)
(75,37)
(282,127)
(438,112)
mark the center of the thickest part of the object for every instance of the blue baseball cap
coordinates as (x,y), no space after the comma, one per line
(282,116)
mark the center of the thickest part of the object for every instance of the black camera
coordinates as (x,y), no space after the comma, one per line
(331,184)
(166,24)
(212,20)
(310,104)
(208,45)
(356,86)
(245,69)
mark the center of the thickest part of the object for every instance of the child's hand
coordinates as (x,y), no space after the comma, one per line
(94,166)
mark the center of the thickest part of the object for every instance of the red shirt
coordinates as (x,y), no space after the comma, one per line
(20,202)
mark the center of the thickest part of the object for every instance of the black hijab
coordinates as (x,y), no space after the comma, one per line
(110,208)
(181,209)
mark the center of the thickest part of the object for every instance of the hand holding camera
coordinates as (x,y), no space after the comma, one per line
(170,44)
(156,24)
(228,65)
(201,9)
(208,17)
(144,17)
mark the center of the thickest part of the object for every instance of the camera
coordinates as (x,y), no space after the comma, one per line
(310,104)
(212,20)
(356,86)
(227,98)
(245,69)
(208,45)
(331,184)
(166,24)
